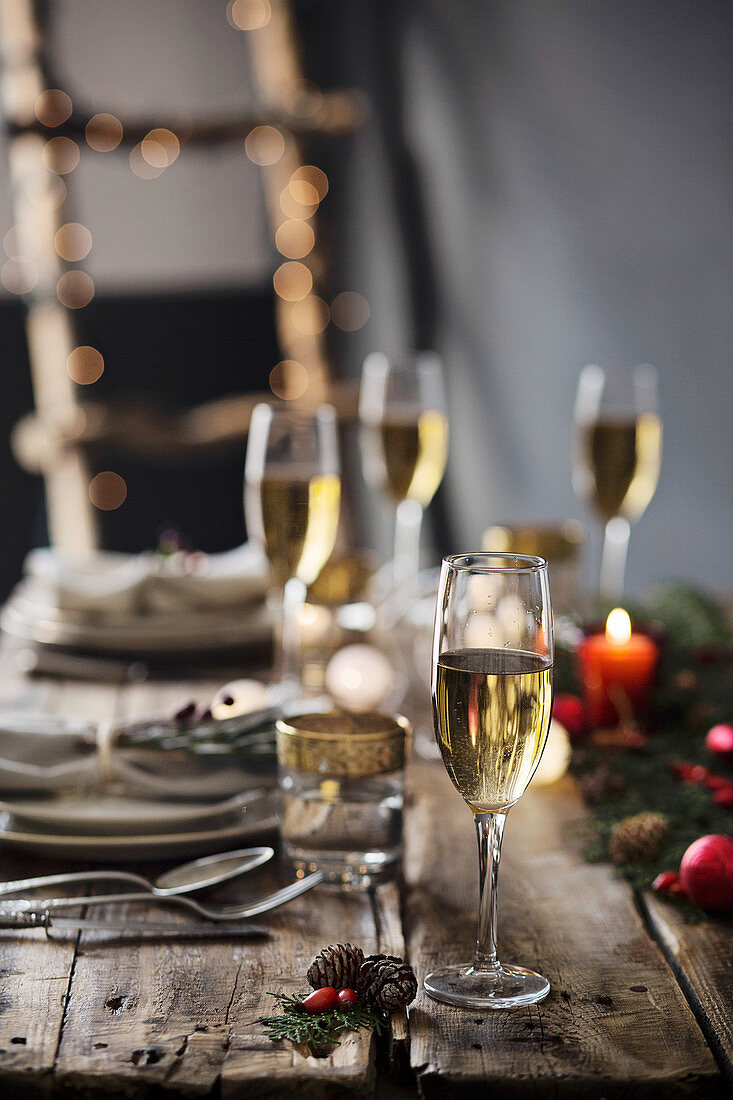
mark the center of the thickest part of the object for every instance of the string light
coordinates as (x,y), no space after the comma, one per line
(73,242)
(85,365)
(61,155)
(75,289)
(53,107)
(107,491)
(160,147)
(289,379)
(292,281)
(295,239)
(248,15)
(103,132)
(264,145)
(349,311)
(310,316)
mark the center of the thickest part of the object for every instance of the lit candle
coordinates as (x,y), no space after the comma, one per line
(617,670)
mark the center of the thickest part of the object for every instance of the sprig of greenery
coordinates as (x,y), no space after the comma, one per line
(319,1031)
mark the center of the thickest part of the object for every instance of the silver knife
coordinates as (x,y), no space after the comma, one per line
(44,918)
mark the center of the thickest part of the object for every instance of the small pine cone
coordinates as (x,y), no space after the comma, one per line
(337,965)
(602,784)
(387,982)
(638,839)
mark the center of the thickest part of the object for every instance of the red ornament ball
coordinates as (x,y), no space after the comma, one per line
(570,712)
(720,739)
(347,997)
(706,872)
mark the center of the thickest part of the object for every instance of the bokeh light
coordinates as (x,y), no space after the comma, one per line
(160,147)
(295,239)
(316,177)
(264,145)
(248,15)
(19,277)
(349,311)
(47,190)
(304,99)
(292,207)
(310,316)
(141,167)
(22,242)
(67,421)
(73,242)
(61,155)
(75,289)
(103,132)
(289,379)
(53,107)
(304,192)
(85,365)
(292,281)
(107,491)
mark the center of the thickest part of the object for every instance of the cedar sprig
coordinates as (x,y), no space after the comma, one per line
(319,1031)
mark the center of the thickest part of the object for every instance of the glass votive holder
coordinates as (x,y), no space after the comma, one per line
(341,776)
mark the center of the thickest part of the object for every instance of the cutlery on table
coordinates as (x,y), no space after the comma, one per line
(197,874)
(43,908)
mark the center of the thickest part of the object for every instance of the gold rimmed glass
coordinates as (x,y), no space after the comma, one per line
(492,700)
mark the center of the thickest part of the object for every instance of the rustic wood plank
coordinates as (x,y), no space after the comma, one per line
(615,1022)
(701,956)
(388,916)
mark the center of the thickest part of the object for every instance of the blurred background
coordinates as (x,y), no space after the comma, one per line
(524,187)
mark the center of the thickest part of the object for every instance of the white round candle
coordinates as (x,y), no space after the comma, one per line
(359,677)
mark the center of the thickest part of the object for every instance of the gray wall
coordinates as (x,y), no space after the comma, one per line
(575,161)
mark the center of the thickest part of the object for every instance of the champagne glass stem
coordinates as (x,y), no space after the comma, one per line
(293,598)
(613,558)
(408,525)
(489,831)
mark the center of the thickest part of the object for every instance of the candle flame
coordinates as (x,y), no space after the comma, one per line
(618,627)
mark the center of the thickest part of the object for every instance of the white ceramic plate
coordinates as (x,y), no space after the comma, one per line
(85,814)
(119,849)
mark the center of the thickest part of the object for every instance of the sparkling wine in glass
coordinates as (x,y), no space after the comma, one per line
(292,492)
(404,436)
(492,700)
(616,457)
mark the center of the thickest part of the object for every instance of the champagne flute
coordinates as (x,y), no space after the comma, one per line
(404,444)
(616,457)
(292,493)
(492,699)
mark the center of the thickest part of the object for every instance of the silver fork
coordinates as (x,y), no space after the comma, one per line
(210,912)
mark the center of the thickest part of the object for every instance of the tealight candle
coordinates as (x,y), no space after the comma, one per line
(239,697)
(617,670)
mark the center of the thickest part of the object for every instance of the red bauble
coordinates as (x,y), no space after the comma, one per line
(706,872)
(570,712)
(720,739)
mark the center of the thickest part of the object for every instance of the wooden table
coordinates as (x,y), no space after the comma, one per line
(640,1003)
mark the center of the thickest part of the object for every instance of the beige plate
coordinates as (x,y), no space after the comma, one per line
(118,849)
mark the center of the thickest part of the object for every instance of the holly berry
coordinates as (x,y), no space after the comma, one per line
(664,883)
(321,999)
(706,871)
(347,997)
(719,739)
(570,712)
(723,796)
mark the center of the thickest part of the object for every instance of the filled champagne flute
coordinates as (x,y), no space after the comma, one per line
(404,437)
(292,493)
(616,457)
(492,700)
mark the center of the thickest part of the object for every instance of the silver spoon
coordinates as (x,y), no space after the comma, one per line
(189,877)
(211,912)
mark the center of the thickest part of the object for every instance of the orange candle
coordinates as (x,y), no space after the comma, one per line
(617,670)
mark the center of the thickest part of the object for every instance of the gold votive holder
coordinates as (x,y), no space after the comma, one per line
(342,781)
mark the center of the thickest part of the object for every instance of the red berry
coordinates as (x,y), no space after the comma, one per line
(321,999)
(347,997)
(698,774)
(720,739)
(723,797)
(683,770)
(664,883)
(715,782)
(570,712)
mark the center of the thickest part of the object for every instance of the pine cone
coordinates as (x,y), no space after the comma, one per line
(601,784)
(638,839)
(337,965)
(387,982)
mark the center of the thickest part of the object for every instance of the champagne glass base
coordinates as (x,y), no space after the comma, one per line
(502,987)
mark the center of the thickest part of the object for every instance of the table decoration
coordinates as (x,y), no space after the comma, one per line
(351,991)
(617,669)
